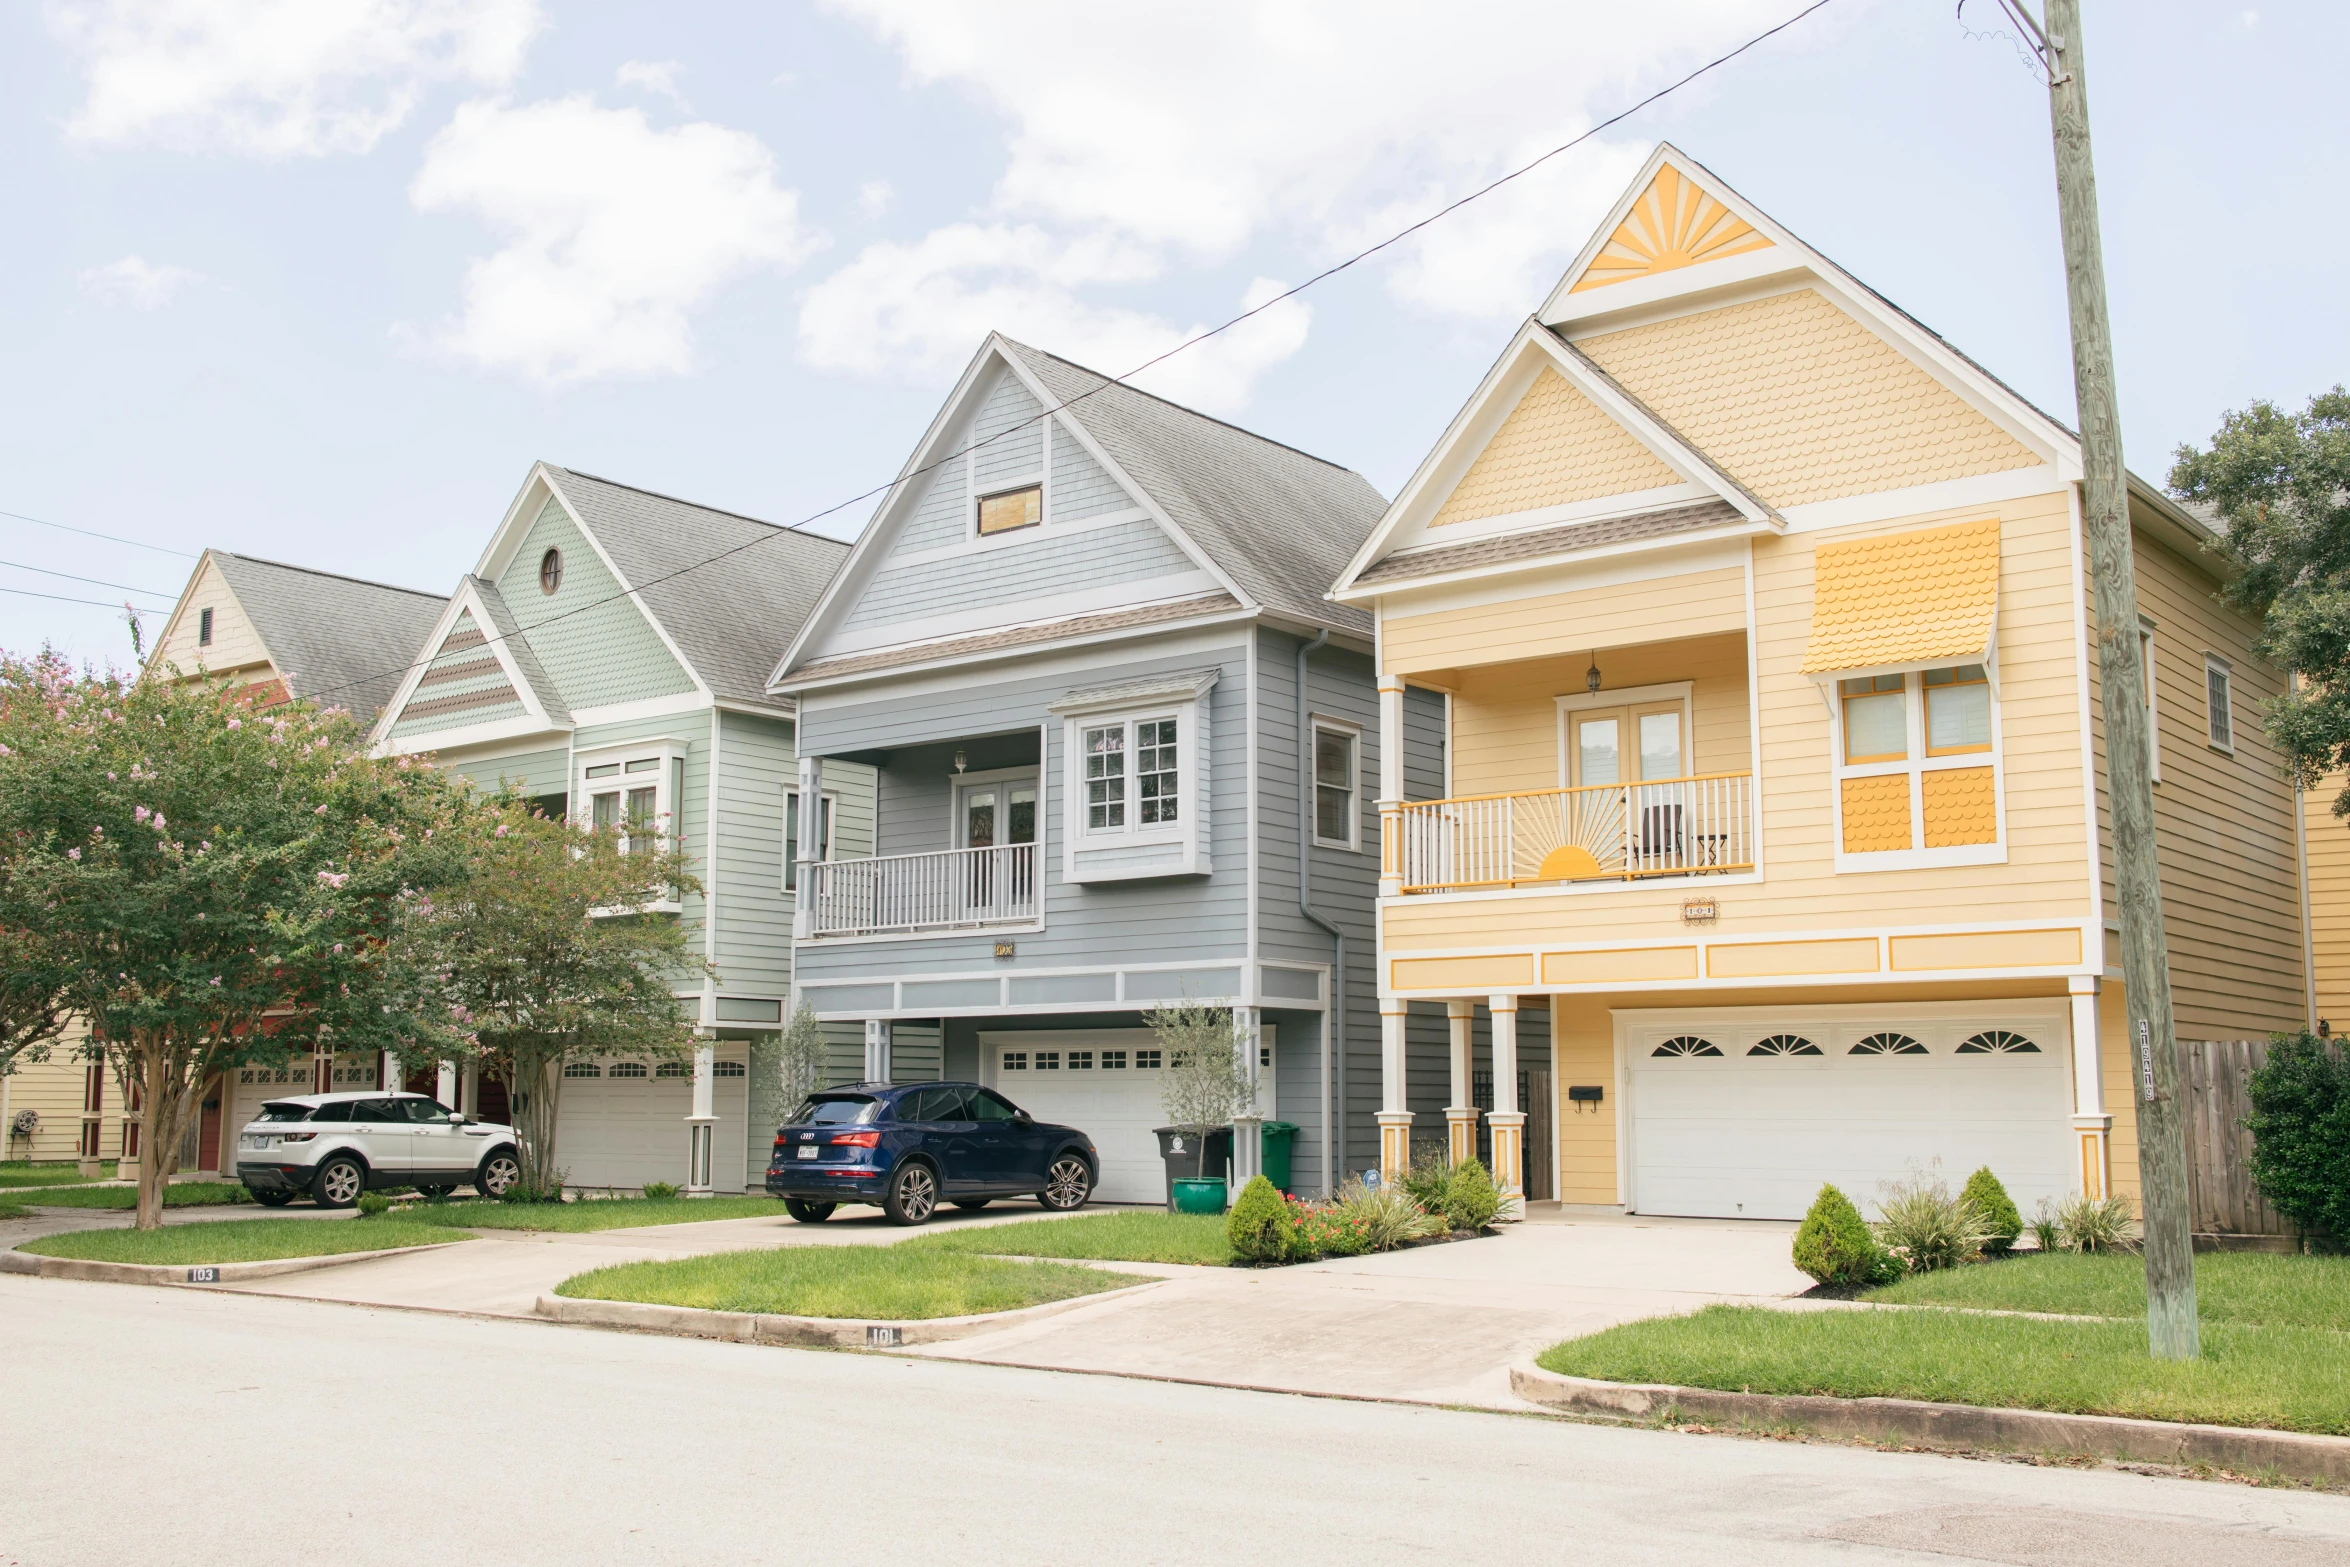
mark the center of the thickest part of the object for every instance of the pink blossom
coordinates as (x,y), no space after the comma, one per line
(321,811)
(73,854)
(216,979)
(140,813)
(333,879)
(338,946)
(236,723)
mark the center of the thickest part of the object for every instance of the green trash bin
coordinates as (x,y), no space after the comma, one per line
(1279,1137)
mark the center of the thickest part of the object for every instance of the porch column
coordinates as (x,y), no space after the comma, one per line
(391,1072)
(1395,1120)
(445,1086)
(1248,1126)
(811,811)
(702,1123)
(876,1049)
(1390,800)
(469,1088)
(1461,1114)
(2092,1127)
(1507,1120)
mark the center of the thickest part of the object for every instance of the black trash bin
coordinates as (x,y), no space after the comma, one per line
(1181,1155)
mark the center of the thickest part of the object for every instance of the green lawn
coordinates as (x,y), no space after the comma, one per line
(2291,1378)
(240,1240)
(892,1283)
(9,1210)
(1143,1235)
(180,1194)
(49,1172)
(618,1213)
(2230,1286)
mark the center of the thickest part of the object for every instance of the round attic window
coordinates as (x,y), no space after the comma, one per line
(550,571)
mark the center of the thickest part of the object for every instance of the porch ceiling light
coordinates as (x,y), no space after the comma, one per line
(1591,675)
(959,764)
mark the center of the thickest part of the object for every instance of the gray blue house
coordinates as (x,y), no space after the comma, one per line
(1122,751)
(609,653)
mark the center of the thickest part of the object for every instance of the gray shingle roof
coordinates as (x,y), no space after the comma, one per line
(339,640)
(1281,524)
(503,624)
(730,617)
(1561,540)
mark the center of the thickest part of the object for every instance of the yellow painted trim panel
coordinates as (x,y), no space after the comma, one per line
(1776,959)
(1621,966)
(1493,973)
(2059,948)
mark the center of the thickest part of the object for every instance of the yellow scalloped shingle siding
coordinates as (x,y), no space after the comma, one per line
(1556,447)
(1673,224)
(1958,806)
(1802,403)
(1904,598)
(1876,813)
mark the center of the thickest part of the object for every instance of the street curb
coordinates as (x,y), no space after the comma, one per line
(88,1271)
(806,1332)
(1960,1427)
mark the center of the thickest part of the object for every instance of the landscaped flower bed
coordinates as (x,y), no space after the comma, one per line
(1431,1202)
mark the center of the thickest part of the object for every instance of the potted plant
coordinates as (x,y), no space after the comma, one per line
(1201,1086)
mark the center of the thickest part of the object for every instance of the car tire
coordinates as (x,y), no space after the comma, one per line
(1068,1185)
(808,1212)
(973,1204)
(912,1196)
(498,1173)
(270,1199)
(339,1182)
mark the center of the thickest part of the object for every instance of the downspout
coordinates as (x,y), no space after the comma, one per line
(1334,1019)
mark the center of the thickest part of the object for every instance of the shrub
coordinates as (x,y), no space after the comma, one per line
(1326,1230)
(1387,1215)
(1927,1228)
(373,1205)
(1426,1178)
(2085,1223)
(1258,1225)
(1470,1197)
(1835,1247)
(660,1191)
(2045,1228)
(1997,1208)
(2300,1124)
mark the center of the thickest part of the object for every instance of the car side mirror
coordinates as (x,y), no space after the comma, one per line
(456,1118)
(1022,1115)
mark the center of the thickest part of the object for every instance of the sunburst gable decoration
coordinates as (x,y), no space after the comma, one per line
(1674,224)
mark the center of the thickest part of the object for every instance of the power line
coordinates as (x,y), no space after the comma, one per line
(95,582)
(101,603)
(67,527)
(1194,341)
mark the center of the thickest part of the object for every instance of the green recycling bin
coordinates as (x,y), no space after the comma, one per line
(1279,1137)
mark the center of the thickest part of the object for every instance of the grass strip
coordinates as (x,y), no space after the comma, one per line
(571,1218)
(892,1283)
(180,1194)
(1139,1236)
(240,1240)
(2263,1288)
(2285,1378)
(49,1172)
(9,1210)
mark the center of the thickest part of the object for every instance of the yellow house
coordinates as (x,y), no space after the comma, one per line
(1773,759)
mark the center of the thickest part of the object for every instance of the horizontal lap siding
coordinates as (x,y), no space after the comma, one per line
(1563,624)
(537,773)
(1081,487)
(943,516)
(756,765)
(602,649)
(1506,723)
(2328,837)
(234,641)
(1043,562)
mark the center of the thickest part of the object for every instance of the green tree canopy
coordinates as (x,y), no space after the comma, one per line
(2281,483)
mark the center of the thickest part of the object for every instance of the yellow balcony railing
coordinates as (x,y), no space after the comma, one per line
(1692,826)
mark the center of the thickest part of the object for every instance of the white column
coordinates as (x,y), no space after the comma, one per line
(1507,1120)
(391,1071)
(811,808)
(445,1086)
(2092,1127)
(1390,801)
(1395,1116)
(1248,1126)
(702,1123)
(470,1087)
(877,1050)
(1460,1113)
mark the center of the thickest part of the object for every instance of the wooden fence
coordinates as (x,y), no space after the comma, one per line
(2222,1194)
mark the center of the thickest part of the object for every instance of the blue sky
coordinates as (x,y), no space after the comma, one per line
(318,279)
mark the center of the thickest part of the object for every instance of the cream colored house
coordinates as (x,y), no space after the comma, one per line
(1772,754)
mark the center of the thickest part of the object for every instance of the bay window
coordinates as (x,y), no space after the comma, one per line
(1135,780)
(1917,769)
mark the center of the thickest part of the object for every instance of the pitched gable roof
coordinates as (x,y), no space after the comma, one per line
(729,616)
(341,641)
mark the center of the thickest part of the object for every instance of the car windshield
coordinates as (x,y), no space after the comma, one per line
(285,1112)
(835,1110)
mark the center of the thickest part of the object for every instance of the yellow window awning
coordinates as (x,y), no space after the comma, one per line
(1905,598)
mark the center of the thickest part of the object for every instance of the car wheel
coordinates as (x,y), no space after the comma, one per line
(913,1194)
(270,1199)
(1067,1184)
(339,1183)
(497,1174)
(974,1204)
(808,1212)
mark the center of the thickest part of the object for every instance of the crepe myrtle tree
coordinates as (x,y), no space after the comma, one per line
(555,946)
(1203,1084)
(208,880)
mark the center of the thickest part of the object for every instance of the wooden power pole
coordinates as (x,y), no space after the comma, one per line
(2172,1331)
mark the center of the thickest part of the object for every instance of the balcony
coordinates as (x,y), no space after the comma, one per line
(900,894)
(1695,826)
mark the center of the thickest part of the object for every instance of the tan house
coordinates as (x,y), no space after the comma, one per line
(1773,765)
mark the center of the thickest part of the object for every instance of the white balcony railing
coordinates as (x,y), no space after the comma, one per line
(955,889)
(1608,832)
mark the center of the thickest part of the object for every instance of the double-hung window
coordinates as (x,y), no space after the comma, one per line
(634,791)
(1133,790)
(1337,784)
(1133,774)
(2219,682)
(1917,768)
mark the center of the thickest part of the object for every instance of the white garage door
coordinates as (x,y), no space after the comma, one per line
(1105,1083)
(623,1122)
(1746,1116)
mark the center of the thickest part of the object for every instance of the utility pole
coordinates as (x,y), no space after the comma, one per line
(2171,1326)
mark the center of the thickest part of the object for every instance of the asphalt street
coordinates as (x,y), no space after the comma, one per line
(192,1427)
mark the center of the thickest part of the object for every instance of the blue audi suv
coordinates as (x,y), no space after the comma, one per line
(911,1146)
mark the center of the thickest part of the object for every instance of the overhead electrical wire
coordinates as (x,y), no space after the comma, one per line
(100,603)
(91,533)
(95,582)
(1191,342)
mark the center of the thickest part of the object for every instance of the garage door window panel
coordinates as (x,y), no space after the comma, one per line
(1888,1044)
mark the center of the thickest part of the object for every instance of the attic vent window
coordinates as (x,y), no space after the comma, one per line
(1011,510)
(550,571)
(204,628)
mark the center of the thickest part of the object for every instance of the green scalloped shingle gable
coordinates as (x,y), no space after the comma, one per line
(596,646)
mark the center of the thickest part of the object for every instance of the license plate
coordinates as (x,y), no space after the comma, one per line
(808,1150)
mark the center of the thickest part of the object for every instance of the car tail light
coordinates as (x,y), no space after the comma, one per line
(296,1137)
(857,1140)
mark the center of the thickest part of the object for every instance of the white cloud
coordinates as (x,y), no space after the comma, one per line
(278,78)
(653,76)
(613,234)
(136,282)
(874,198)
(1196,135)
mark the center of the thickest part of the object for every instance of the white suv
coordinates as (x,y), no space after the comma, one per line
(335,1146)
